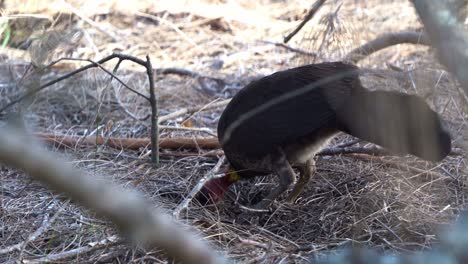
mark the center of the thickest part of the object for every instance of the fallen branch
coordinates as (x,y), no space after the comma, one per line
(132,214)
(191,143)
(385,41)
(128,143)
(210,175)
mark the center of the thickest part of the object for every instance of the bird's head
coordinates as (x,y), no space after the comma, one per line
(213,191)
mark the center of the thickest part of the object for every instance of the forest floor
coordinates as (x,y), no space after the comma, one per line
(391,203)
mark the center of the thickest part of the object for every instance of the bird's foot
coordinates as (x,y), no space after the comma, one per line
(292,197)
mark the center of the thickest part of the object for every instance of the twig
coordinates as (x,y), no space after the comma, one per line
(253,210)
(92,23)
(210,175)
(385,41)
(255,243)
(373,150)
(399,165)
(198,129)
(132,115)
(46,222)
(297,50)
(91,246)
(329,30)
(132,214)
(447,36)
(84,68)
(260,258)
(171,25)
(107,257)
(152,99)
(154,115)
(192,110)
(186,72)
(308,17)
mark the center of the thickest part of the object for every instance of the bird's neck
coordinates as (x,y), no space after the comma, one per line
(214,190)
(221,185)
(229,178)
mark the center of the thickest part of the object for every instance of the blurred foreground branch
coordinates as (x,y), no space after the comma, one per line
(452,250)
(132,214)
(447,36)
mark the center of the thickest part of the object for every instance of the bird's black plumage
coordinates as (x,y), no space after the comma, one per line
(282,120)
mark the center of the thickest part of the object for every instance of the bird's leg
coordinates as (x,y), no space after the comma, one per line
(305,173)
(285,173)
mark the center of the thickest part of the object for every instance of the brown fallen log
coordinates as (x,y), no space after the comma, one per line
(207,143)
(128,143)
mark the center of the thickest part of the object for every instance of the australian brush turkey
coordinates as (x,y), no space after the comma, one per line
(281,121)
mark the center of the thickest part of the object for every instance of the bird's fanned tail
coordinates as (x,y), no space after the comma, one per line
(401,123)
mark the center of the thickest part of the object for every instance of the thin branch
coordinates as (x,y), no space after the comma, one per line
(84,68)
(127,209)
(210,175)
(192,110)
(385,41)
(154,115)
(297,50)
(197,129)
(186,72)
(447,36)
(132,115)
(308,17)
(90,247)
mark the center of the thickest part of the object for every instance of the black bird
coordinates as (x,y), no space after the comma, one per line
(281,121)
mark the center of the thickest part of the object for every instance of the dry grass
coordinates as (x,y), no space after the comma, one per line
(349,200)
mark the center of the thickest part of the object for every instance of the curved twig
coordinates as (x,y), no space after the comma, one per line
(385,41)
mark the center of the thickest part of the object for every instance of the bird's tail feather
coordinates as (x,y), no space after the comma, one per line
(401,123)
